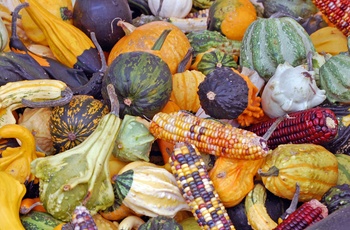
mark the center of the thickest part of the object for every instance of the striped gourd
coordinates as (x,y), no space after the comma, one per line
(343,168)
(269,42)
(334,78)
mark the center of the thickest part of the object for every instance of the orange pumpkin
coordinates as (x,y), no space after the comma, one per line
(233,179)
(142,38)
(185,87)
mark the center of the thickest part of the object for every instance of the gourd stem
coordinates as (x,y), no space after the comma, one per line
(100,52)
(160,41)
(309,61)
(182,65)
(273,127)
(15,17)
(114,100)
(273,171)
(66,96)
(293,205)
(128,28)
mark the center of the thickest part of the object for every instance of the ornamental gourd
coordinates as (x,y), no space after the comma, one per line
(311,166)
(170,8)
(269,42)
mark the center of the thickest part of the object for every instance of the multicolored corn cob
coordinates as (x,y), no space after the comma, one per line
(307,214)
(208,135)
(81,220)
(338,13)
(198,190)
(315,125)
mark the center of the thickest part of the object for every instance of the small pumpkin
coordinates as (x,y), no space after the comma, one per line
(72,123)
(142,38)
(233,179)
(269,42)
(170,8)
(185,87)
(312,166)
(231,17)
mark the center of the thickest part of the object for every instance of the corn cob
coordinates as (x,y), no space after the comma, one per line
(315,125)
(198,190)
(208,135)
(81,220)
(338,13)
(307,214)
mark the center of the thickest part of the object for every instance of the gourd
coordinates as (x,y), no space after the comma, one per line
(269,42)
(293,8)
(142,81)
(142,38)
(291,89)
(233,179)
(333,78)
(185,87)
(231,17)
(12,192)
(4,37)
(343,168)
(62,10)
(202,4)
(312,166)
(160,222)
(170,8)
(330,40)
(213,59)
(149,190)
(72,123)
(39,220)
(227,94)
(69,44)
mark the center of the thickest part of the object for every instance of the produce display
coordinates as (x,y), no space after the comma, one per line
(163,114)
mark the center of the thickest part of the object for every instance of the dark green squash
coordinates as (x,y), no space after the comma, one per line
(294,8)
(72,123)
(36,220)
(223,94)
(337,197)
(142,81)
(160,222)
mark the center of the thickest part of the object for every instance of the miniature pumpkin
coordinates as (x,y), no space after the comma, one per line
(227,94)
(142,38)
(233,179)
(185,87)
(170,8)
(312,166)
(231,17)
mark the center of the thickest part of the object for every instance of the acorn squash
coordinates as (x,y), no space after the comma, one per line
(72,123)
(269,42)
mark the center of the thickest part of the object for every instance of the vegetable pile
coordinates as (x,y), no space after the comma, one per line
(163,114)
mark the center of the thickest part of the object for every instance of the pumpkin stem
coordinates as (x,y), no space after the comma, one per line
(114,100)
(182,65)
(100,52)
(273,171)
(160,41)
(293,205)
(128,28)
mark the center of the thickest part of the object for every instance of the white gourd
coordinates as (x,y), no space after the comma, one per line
(170,8)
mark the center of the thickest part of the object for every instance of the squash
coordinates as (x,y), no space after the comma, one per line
(343,168)
(330,40)
(160,222)
(227,94)
(233,179)
(142,38)
(142,81)
(185,87)
(337,197)
(170,8)
(312,166)
(4,36)
(231,17)
(35,220)
(293,8)
(72,123)
(101,17)
(333,78)
(12,192)
(269,42)
(61,9)
(149,190)
(213,59)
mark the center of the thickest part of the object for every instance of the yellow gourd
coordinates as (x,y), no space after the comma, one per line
(12,192)
(330,40)
(62,9)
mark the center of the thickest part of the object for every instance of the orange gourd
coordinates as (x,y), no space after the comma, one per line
(142,38)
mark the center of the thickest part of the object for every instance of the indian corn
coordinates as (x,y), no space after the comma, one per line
(198,190)
(208,135)
(338,13)
(315,125)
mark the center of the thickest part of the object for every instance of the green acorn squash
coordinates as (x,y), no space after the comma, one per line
(143,83)
(72,123)
(269,42)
